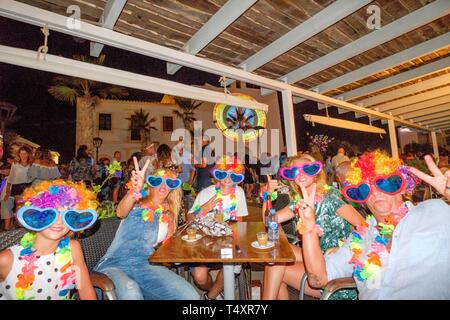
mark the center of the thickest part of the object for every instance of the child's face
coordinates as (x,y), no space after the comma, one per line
(56,231)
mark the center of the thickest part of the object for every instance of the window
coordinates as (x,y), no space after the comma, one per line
(104,121)
(134,129)
(167,123)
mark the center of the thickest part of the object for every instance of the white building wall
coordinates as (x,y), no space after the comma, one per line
(119,137)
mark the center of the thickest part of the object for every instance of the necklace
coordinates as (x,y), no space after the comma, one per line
(231,210)
(153,213)
(63,261)
(372,265)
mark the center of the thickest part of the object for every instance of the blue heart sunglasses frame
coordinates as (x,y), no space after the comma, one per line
(156,181)
(316,166)
(50,215)
(222,175)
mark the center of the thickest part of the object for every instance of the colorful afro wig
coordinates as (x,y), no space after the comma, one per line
(227,163)
(378,163)
(61,195)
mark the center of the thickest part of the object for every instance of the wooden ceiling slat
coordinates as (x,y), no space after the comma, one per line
(173,22)
(396,45)
(88,13)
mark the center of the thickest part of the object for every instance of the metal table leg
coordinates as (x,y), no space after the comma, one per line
(228,281)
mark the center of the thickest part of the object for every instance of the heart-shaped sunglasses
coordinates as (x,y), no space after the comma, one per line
(38,219)
(311,169)
(222,175)
(391,184)
(156,181)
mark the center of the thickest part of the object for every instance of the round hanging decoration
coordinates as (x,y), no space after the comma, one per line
(229,119)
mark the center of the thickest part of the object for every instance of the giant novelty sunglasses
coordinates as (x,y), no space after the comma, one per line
(156,181)
(391,184)
(38,219)
(311,169)
(222,175)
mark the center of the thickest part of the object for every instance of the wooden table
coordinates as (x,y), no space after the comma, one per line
(208,250)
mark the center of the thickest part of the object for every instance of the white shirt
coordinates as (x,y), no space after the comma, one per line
(418,265)
(18,174)
(206,194)
(163,229)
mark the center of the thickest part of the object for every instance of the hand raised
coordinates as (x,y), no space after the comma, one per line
(138,175)
(210,204)
(272,184)
(439,181)
(307,219)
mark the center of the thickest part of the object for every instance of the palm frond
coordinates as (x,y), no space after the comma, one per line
(64,93)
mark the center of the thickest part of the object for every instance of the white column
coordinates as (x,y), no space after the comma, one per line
(393,138)
(289,123)
(435,145)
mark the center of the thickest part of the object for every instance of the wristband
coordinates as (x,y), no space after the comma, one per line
(139,194)
(316,229)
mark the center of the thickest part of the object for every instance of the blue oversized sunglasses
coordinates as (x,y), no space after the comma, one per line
(222,175)
(156,181)
(38,219)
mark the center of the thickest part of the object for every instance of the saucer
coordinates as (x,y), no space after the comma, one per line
(269,245)
(197,237)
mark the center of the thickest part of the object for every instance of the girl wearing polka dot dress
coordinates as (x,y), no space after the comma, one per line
(47,264)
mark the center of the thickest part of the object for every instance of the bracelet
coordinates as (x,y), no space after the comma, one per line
(139,194)
(316,229)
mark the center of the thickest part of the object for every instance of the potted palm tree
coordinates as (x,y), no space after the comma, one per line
(186,112)
(86,95)
(140,121)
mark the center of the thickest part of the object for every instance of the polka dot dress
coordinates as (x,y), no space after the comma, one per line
(45,285)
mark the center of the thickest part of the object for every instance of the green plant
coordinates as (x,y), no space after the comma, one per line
(89,93)
(114,169)
(186,112)
(106,210)
(140,121)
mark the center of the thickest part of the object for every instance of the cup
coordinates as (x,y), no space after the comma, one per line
(262,238)
(191,233)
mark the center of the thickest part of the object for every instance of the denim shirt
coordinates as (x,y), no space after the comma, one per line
(418,265)
(133,242)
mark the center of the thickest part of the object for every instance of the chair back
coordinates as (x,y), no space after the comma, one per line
(11,238)
(96,245)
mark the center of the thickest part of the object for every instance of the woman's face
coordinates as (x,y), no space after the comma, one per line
(303,179)
(56,231)
(159,194)
(23,155)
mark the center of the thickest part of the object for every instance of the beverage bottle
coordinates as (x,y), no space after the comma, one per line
(273,226)
(267,213)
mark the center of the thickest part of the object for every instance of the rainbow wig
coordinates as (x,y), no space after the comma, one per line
(61,195)
(227,163)
(378,163)
(165,173)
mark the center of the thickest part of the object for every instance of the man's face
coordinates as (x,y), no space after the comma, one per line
(117,156)
(382,204)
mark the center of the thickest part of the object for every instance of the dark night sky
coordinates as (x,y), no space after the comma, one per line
(51,123)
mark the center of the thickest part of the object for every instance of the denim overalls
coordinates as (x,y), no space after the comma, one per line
(126,264)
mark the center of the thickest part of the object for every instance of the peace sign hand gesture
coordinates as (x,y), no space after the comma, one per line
(138,175)
(307,221)
(440,181)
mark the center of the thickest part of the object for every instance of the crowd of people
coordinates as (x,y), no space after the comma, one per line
(354,217)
